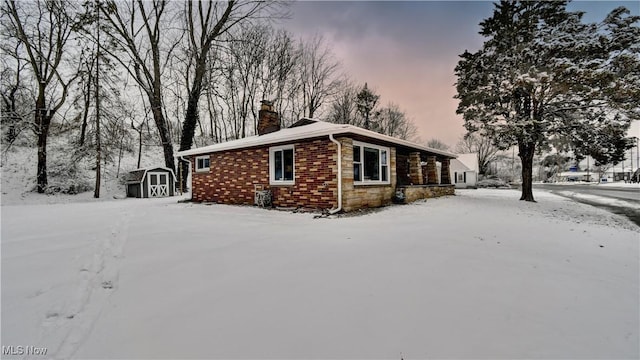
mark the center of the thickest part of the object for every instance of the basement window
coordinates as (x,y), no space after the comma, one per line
(202,163)
(281,165)
(370,164)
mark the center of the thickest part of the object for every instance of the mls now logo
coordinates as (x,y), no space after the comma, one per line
(23,350)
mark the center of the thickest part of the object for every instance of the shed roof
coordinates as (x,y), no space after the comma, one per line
(307,129)
(137,175)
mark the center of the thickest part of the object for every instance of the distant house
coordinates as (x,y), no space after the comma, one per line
(151,182)
(315,164)
(464,170)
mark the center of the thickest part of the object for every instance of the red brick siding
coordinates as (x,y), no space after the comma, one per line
(234,173)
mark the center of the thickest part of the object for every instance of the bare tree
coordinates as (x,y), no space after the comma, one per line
(483,146)
(319,74)
(344,107)
(205,23)
(279,69)
(392,121)
(15,95)
(43,29)
(141,30)
(437,144)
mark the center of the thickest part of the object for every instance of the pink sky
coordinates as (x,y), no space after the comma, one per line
(407,51)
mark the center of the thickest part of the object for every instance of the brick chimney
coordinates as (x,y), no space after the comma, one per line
(268,120)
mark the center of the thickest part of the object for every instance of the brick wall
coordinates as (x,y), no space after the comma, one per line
(234,173)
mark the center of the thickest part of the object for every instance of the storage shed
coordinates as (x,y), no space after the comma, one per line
(151,182)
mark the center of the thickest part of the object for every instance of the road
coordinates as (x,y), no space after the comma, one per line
(609,192)
(628,195)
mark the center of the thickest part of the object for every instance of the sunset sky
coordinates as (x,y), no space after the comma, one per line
(407,51)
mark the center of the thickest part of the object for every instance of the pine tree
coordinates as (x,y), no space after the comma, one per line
(544,78)
(366,102)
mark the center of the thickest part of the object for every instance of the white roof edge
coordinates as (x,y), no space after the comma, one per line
(324,129)
(146,170)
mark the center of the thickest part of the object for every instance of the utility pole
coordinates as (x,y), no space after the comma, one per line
(631,158)
(638,152)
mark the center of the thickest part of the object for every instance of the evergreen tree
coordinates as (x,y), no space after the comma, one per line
(543,77)
(366,102)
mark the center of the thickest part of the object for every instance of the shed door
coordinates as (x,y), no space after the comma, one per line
(158,184)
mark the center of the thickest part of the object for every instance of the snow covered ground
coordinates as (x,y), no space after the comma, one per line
(478,275)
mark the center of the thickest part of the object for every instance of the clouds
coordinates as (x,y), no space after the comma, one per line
(407,51)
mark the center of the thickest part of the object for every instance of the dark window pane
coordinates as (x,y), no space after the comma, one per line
(163,179)
(288,164)
(154,179)
(371,164)
(277,165)
(203,163)
(357,173)
(356,154)
(384,173)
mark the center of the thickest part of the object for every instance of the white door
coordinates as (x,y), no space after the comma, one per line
(158,184)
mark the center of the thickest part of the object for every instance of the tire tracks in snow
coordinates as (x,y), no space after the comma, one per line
(98,279)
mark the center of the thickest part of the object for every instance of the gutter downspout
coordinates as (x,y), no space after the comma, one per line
(180,172)
(339,161)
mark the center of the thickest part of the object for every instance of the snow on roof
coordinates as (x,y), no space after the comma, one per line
(469,160)
(137,175)
(457,165)
(307,129)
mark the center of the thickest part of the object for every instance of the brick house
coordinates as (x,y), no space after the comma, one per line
(319,165)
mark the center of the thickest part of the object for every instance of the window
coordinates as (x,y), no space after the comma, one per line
(461,177)
(281,165)
(202,163)
(370,163)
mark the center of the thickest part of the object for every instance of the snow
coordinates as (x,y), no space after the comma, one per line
(602,199)
(19,168)
(478,275)
(621,185)
(317,128)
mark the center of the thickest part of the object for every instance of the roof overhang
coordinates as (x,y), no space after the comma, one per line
(311,129)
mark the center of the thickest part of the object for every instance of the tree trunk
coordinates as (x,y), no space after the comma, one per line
(526,152)
(43,120)
(167,146)
(42,153)
(140,146)
(96,191)
(85,112)
(190,121)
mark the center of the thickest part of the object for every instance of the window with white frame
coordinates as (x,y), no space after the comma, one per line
(370,163)
(460,177)
(281,165)
(202,163)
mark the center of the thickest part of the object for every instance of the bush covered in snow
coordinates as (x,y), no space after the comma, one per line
(492,182)
(66,178)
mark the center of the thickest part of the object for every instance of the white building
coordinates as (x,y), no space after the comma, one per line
(464,170)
